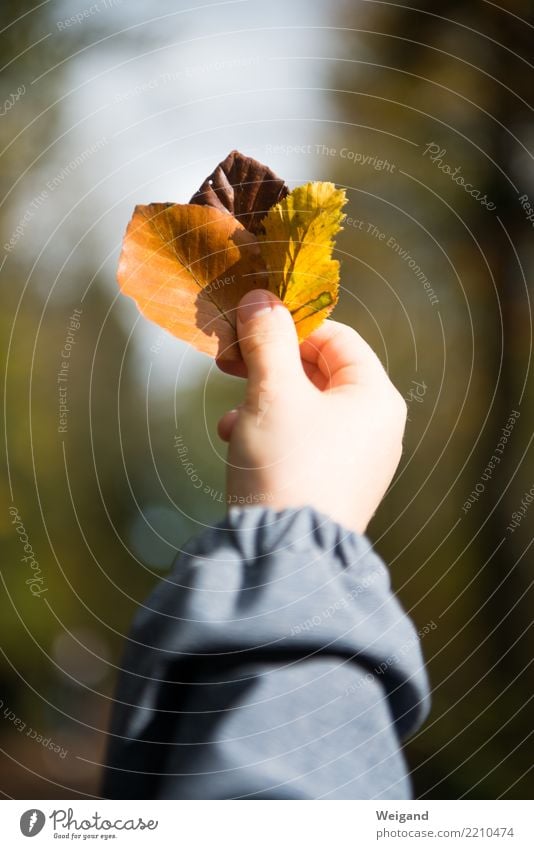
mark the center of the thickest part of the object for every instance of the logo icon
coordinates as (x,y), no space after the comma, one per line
(31,822)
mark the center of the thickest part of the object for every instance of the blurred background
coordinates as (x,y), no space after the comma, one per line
(424,113)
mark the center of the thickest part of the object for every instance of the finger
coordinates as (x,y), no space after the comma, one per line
(268,341)
(342,355)
(226,424)
(315,375)
(237,368)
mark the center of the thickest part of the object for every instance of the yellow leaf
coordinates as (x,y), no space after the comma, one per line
(297,250)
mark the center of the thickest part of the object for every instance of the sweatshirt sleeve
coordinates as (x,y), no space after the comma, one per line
(273,662)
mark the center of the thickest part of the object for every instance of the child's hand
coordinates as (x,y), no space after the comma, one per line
(322,426)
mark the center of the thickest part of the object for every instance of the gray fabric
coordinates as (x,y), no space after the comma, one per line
(273,662)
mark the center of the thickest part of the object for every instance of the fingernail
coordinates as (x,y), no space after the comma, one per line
(254,303)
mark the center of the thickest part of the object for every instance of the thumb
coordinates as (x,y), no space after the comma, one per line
(268,340)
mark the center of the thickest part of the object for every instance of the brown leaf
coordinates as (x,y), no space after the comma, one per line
(243,187)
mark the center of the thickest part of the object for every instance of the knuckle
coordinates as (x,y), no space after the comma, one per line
(402,405)
(399,406)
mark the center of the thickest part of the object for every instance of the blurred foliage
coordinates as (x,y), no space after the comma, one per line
(72,490)
(457,76)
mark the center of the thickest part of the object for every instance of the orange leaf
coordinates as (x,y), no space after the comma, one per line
(187,266)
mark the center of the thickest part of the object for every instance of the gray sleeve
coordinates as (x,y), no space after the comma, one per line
(273,662)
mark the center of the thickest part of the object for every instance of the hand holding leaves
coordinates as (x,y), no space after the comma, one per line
(188,265)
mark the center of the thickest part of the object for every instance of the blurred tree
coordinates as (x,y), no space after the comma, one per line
(67,477)
(428,91)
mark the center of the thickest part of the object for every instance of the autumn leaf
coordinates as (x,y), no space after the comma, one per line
(297,249)
(244,187)
(187,265)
